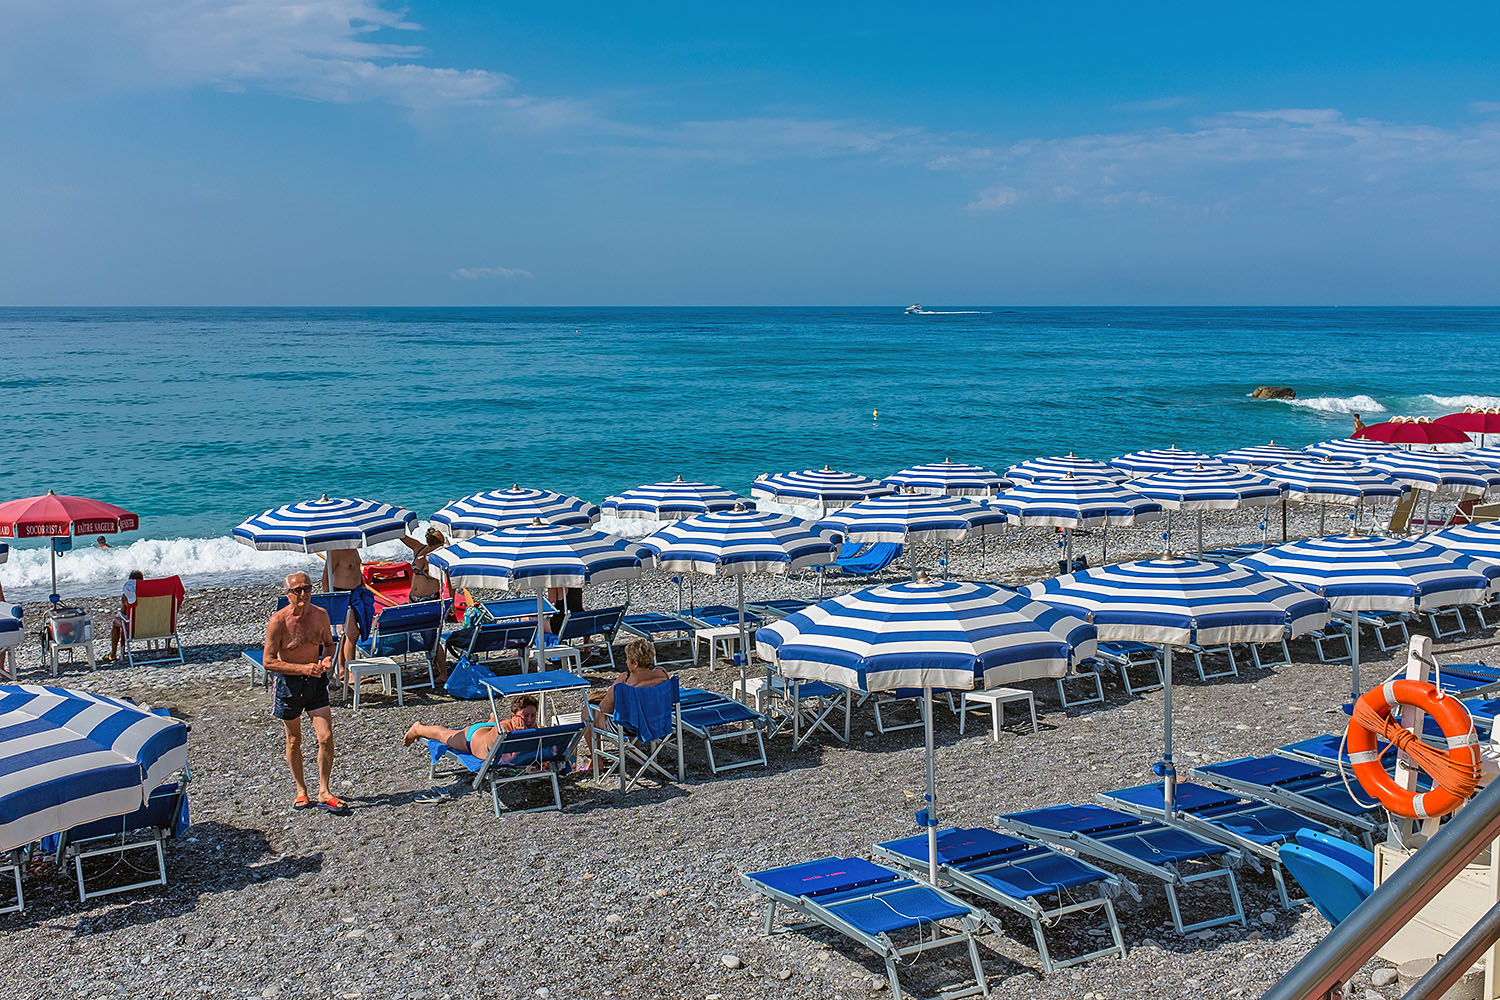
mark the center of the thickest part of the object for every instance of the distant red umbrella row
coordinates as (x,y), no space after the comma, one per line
(1449,429)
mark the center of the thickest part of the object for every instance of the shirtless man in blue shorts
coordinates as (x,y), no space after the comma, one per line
(296,638)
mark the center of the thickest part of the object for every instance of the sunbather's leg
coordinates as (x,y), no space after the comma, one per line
(455,739)
(322,720)
(351,638)
(294,754)
(116,633)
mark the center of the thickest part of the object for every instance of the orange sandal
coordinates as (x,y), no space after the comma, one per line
(334,805)
(302,802)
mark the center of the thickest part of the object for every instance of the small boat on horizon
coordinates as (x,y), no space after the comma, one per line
(915,309)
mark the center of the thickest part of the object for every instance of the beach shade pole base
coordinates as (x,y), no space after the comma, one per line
(928,816)
(1354,691)
(541,642)
(1165,769)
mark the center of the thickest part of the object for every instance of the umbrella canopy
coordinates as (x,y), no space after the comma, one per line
(70,757)
(481,512)
(825,488)
(913,517)
(1208,487)
(52,514)
(1068,502)
(926,634)
(670,501)
(956,479)
(538,555)
(1144,463)
(1484,456)
(1481,541)
(741,541)
(1057,466)
(1260,456)
(1438,471)
(1349,449)
(325,524)
(1182,601)
(1474,420)
(1334,482)
(1370,573)
(1412,430)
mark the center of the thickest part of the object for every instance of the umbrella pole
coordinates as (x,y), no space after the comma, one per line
(1168,771)
(1104,556)
(744,655)
(1354,691)
(1283,519)
(54,571)
(1427,512)
(541,647)
(911,558)
(1323,519)
(1166,537)
(931,810)
(1200,534)
(1068,550)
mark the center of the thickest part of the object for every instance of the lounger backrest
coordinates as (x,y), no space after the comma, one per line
(1085,819)
(583,624)
(827,876)
(1268,770)
(409,628)
(547,745)
(494,637)
(153,613)
(648,712)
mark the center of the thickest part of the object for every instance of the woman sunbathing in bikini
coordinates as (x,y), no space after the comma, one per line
(480,737)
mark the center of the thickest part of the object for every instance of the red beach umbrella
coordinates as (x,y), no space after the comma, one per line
(52,515)
(1420,431)
(1473,420)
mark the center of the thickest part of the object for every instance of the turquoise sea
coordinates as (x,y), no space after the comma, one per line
(197,418)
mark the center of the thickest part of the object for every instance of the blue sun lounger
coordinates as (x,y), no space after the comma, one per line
(778,608)
(1125,656)
(718,615)
(1177,858)
(1255,829)
(524,755)
(1037,882)
(862,561)
(714,718)
(660,630)
(1303,787)
(875,905)
(1337,876)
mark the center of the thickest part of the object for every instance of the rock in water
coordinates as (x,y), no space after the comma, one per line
(1274,392)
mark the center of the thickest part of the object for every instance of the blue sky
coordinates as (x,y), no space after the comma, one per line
(356,152)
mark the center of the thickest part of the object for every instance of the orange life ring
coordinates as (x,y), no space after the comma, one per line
(1454,771)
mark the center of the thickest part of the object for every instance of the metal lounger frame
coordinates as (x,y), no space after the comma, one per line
(154,839)
(683,632)
(550,772)
(1199,652)
(820,707)
(1040,916)
(1287,798)
(11,864)
(627,750)
(711,733)
(1076,673)
(1123,665)
(821,916)
(1434,621)
(1170,877)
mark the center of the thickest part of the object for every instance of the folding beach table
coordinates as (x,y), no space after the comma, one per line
(540,684)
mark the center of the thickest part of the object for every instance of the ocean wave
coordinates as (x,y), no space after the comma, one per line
(201,562)
(1452,403)
(1338,405)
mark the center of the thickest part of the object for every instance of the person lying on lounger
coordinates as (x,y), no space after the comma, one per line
(480,737)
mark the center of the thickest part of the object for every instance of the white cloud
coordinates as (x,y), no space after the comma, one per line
(994,199)
(1484,107)
(1155,104)
(489,273)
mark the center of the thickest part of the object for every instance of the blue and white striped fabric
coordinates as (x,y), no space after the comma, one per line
(1260,456)
(1058,466)
(1334,482)
(481,512)
(827,488)
(670,501)
(537,556)
(1349,449)
(1181,601)
(1440,471)
(325,524)
(1144,463)
(1075,503)
(1370,573)
(70,757)
(1212,487)
(1484,456)
(12,625)
(1481,541)
(741,541)
(913,517)
(955,479)
(948,634)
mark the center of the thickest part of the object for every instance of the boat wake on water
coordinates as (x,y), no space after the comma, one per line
(915,309)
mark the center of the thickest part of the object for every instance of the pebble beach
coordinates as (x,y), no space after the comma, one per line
(635,895)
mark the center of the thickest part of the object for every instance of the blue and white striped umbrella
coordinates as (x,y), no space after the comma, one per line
(538,555)
(325,524)
(825,488)
(913,517)
(1144,463)
(1481,541)
(70,757)
(925,634)
(1334,482)
(1372,573)
(1067,502)
(955,479)
(480,512)
(1260,456)
(1349,449)
(1484,456)
(1438,471)
(1207,487)
(670,501)
(741,541)
(1180,602)
(1058,466)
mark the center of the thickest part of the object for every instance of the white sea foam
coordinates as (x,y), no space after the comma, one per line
(1451,403)
(201,562)
(1338,405)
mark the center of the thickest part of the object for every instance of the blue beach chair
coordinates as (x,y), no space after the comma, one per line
(646,723)
(1172,855)
(1128,656)
(660,630)
(874,906)
(524,755)
(863,561)
(1039,883)
(1336,876)
(408,629)
(716,719)
(778,608)
(1255,829)
(578,630)
(1303,787)
(491,642)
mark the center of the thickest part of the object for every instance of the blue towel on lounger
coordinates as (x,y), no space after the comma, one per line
(647,711)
